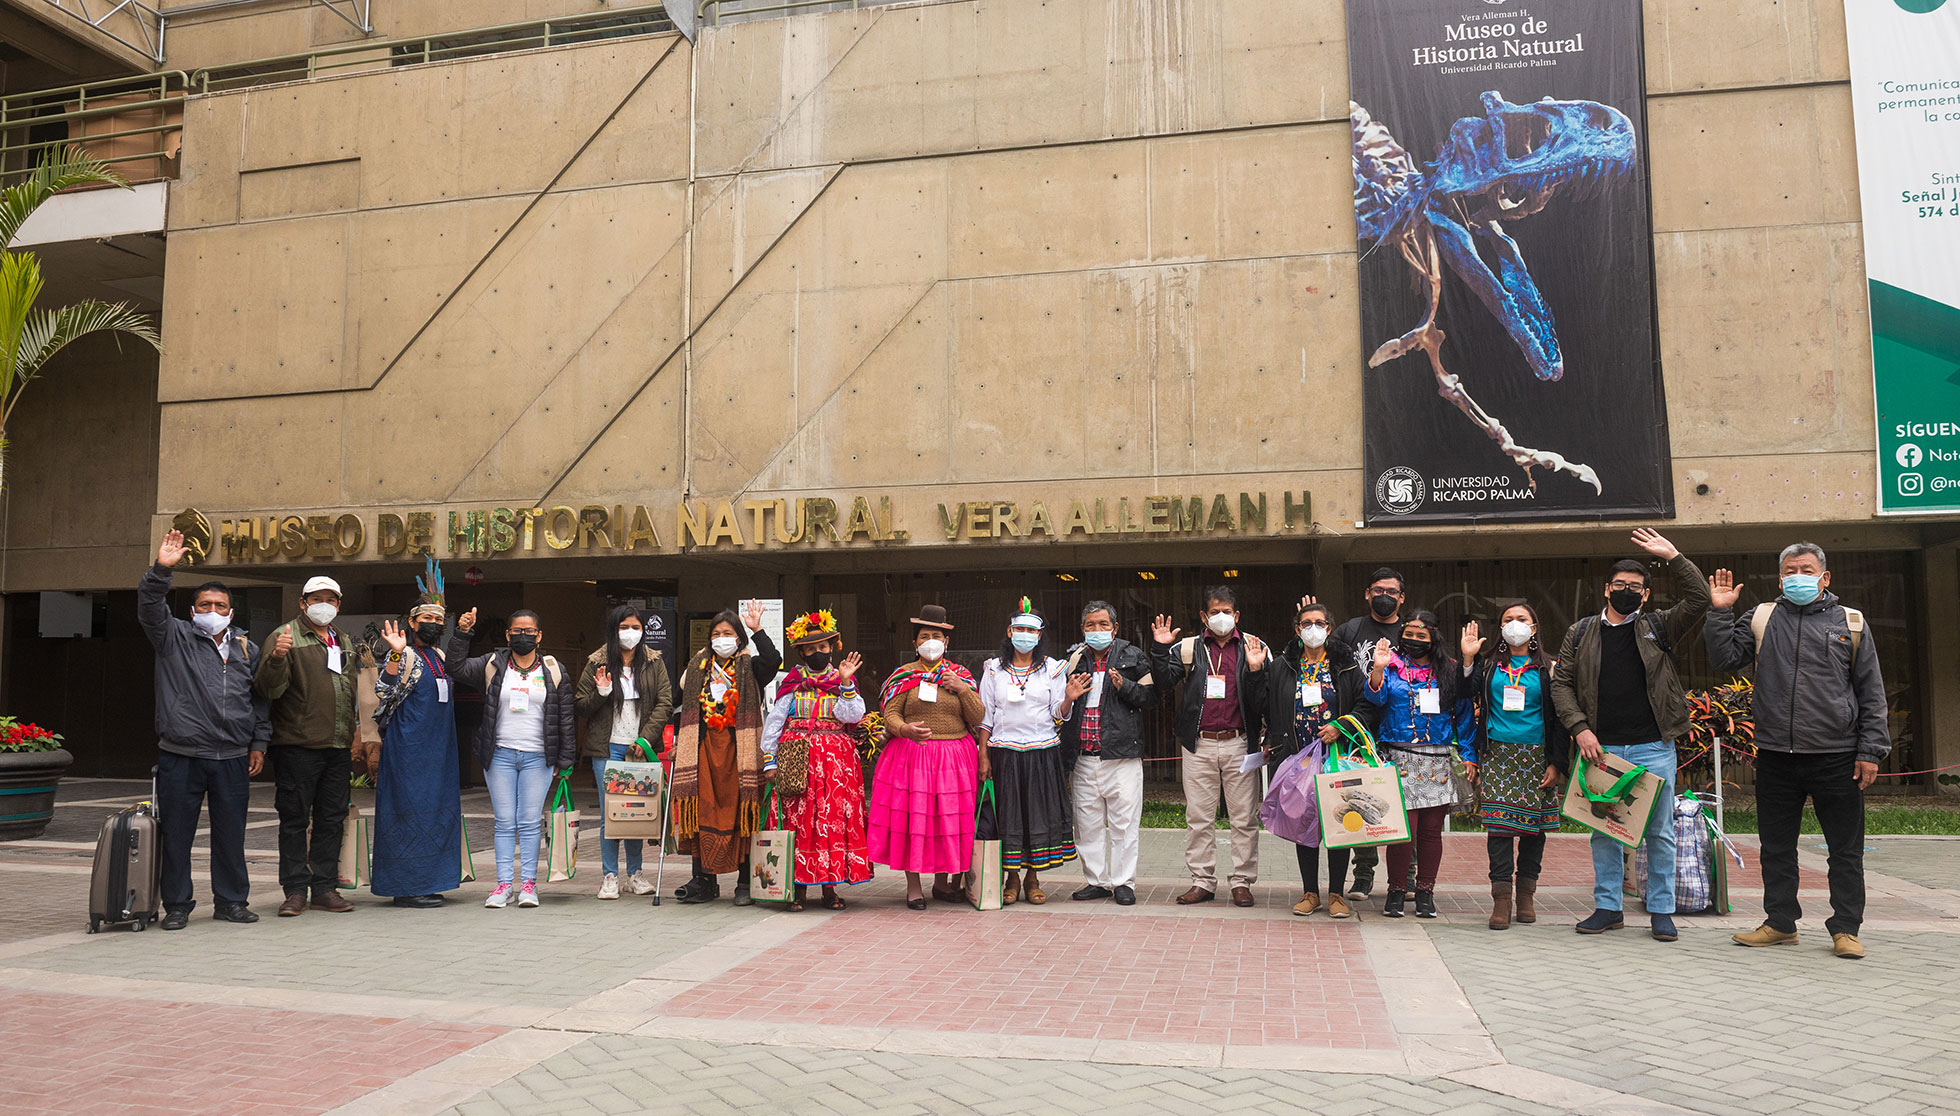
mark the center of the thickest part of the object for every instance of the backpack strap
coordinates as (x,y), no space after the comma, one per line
(1657,628)
(489,674)
(1186,650)
(556,671)
(1759,622)
(1074,657)
(1854,622)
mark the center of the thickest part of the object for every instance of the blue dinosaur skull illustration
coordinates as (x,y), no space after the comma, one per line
(1502,166)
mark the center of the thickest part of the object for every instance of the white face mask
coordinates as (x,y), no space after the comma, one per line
(322,613)
(1221,623)
(724,646)
(1517,633)
(211,623)
(1314,635)
(629,638)
(931,649)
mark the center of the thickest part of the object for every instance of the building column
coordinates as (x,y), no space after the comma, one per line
(1939,665)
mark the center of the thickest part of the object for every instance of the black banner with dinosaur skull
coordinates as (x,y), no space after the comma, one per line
(1507,267)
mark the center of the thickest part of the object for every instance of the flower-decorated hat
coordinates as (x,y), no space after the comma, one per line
(811,627)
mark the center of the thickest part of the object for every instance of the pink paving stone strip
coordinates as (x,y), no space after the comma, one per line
(1152,979)
(70,1054)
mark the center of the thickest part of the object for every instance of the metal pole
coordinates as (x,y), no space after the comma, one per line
(1718,786)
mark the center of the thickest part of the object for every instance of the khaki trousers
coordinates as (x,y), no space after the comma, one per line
(1212,769)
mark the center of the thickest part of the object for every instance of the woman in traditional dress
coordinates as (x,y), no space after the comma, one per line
(418,810)
(1025,694)
(717,795)
(1523,749)
(1426,718)
(923,787)
(814,707)
(625,695)
(1300,721)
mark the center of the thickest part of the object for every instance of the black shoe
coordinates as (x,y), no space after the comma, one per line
(1126,895)
(230,912)
(420,902)
(1087,892)
(1362,887)
(1600,921)
(177,920)
(742,898)
(1425,904)
(700,889)
(1392,904)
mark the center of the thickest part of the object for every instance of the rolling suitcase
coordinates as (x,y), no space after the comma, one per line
(123,887)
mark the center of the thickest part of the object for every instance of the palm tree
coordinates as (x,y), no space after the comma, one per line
(30,336)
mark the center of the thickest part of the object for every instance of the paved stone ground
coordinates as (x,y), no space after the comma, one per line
(582,1006)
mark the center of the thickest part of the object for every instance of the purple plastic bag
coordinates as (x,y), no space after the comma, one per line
(1291,810)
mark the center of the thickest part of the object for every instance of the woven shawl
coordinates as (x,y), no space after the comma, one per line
(686,802)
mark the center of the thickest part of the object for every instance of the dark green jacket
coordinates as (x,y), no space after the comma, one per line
(311,706)
(1575,677)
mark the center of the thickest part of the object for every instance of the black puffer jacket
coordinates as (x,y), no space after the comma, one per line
(486,673)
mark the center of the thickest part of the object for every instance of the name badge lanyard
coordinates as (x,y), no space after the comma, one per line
(435,667)
(1514,692)
(333,652)
(1314,683)
(1019,681)
(1215,680)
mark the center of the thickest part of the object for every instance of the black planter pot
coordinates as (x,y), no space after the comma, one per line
(27,785)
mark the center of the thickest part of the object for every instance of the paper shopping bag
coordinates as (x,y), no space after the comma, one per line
(987,884)
(356,850)
(1615,797)
(561,833)
(1358,794)
(772,857)
(632,794)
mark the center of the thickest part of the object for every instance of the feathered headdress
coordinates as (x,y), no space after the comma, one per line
(1028,618)
(432,590)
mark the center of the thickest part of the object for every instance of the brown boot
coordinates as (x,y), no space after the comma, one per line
(294,906)
(1500,905)
(330,900)
(1527,900)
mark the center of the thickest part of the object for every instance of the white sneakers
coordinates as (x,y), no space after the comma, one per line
(527,896)
(498,898)
(609,887)
(639,885)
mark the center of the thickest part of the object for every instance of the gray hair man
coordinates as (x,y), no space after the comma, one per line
(1821,732)
(1102,742)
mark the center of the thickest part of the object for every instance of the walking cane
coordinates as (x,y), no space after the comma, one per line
(666,806)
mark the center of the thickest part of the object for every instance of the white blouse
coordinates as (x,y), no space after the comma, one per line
(1021,711)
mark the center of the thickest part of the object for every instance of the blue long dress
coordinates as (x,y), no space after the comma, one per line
(418,810)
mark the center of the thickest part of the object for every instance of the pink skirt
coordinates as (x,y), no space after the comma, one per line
(922,794)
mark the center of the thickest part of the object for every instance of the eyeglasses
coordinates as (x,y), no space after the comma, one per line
(526,631)
(1625,585)
(1384,590)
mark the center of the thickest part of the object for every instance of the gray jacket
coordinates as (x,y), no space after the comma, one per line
(205,705)
(1812,693)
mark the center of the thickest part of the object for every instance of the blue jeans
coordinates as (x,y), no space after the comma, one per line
(518,782)
(1609,856)
(609,850)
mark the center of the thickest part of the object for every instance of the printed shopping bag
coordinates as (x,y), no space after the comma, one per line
(560,832)
(1291,811)
(469,854)
(772,856)
(1615,797)
(1359,796)
(631,796)
(356,850)
(988,881)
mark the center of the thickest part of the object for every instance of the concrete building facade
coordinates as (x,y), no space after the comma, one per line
(866,307)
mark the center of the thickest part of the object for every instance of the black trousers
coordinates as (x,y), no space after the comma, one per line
(310,785)
(1529,859)
(184,784)
(1337,866)
(1829,781)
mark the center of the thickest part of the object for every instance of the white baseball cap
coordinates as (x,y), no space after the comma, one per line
(318,582)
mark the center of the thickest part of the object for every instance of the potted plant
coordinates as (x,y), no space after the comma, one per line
(31,762)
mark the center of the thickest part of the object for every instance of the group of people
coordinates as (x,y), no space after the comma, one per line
(1042,753)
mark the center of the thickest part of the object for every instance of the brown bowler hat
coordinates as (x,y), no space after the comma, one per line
(932,616)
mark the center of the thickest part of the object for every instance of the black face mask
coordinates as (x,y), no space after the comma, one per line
(429,632)
(524,642)
(1624,601)
(1414,648)
(817,661)
(1382,605)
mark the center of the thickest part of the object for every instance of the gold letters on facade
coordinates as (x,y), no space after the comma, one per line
(704,525)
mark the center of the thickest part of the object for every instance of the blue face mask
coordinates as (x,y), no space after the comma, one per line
(1801,589)
(1024,641)
(1099,640)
